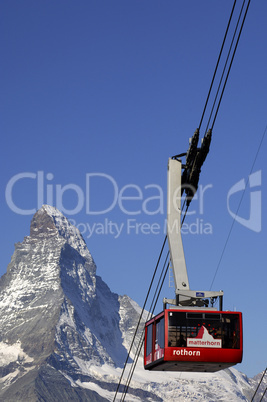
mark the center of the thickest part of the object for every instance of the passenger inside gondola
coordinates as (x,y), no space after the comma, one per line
(181,342)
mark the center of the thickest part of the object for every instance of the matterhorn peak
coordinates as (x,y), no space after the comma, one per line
(49,221)
(55,313)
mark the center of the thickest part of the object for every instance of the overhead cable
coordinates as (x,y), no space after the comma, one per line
(232,59)
(217,64)
(225,64)
(239,205)
(150,286)
(150,315)
(259,385)
(227,75)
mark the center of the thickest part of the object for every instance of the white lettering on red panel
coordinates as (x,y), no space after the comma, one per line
(204,340)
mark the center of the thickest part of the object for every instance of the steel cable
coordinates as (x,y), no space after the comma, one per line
(151,312)
(238,207)
(225,64)
(259,385)
(217,64)
(230,66)
(150,286)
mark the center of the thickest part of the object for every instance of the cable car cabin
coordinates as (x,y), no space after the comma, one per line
(193,340)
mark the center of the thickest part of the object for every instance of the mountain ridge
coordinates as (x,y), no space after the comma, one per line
(65,334)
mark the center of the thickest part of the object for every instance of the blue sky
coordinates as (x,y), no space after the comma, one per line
(95,97)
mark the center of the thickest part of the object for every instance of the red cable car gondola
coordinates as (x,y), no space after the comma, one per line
(193,340)
(192,335)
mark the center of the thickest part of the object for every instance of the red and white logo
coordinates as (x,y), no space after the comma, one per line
(204,340)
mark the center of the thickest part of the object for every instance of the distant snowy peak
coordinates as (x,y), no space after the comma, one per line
(49,221)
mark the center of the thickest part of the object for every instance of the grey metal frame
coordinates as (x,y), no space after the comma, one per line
(184,296)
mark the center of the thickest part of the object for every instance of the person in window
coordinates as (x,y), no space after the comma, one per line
(213,333)
(181,342)
(235,340)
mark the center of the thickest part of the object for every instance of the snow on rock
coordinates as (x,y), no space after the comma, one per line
(65,229)
(13,353)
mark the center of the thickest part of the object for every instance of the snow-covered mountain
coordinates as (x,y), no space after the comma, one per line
(64,335)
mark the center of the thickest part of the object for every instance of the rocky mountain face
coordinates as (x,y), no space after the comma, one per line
(64,335)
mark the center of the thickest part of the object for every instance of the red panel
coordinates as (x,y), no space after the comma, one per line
(159,353)
(148,359)
(203,355)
